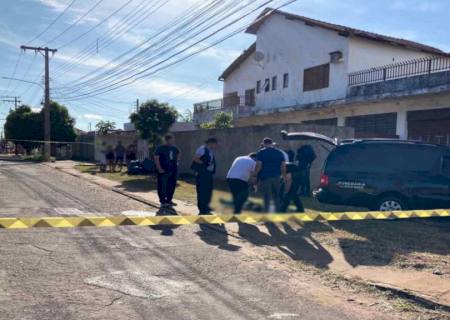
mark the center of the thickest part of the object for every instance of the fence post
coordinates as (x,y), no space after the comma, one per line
(429,66)
(384,74)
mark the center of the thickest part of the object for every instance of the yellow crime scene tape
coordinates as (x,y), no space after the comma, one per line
(249,218)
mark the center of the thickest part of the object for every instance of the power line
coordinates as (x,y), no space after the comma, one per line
(133,61)
(96,25)
(53,22)
(75,23)
(145,72)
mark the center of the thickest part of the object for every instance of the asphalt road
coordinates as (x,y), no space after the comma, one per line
(136,272)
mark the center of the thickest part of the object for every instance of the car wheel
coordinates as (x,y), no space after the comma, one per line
(390,204)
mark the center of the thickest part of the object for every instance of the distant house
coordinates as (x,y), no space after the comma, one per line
(304,70)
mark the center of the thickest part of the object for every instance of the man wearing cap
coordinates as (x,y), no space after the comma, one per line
(204,164)
(270,165)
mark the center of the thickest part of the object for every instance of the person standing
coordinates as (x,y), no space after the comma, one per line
(204,164)
(291,188)
(305,158)
(120,153)
(270,165)
(240,174)
(166,158)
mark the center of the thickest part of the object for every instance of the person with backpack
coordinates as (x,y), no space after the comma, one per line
(204,164)
(305,158)
(166,159)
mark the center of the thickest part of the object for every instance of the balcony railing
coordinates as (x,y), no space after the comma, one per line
(400,70)
(229,102)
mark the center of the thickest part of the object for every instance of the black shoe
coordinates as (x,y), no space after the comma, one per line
(171,203)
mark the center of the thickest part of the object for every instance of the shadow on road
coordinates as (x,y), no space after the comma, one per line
(297,244)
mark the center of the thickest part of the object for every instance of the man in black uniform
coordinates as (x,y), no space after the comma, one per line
(291,188)
(204,164)
(166,161)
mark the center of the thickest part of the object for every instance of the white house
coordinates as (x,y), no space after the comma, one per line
(317,69)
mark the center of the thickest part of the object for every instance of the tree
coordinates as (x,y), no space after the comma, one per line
(23,124)
(62,124)
(153,120)
(104,126)
(222,120)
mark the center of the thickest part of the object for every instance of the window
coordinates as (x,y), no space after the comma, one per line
(250,97)
(386,158)
(258,86)
(316,77)
(274,83)
(267,85)
(379,125)
(285,80)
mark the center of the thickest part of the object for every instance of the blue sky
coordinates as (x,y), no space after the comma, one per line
(182,84)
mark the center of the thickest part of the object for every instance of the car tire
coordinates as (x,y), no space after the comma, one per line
(390,203)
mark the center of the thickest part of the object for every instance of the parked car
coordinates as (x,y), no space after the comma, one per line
(383,174)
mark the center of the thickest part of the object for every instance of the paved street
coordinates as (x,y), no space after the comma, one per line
(135,272)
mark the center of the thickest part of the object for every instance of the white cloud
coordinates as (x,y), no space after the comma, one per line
(179,90)
(36,109)
(56,5)
(92,116)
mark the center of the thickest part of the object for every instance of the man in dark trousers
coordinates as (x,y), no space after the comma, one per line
(291,188)
(305,158)
(270,165)
(240,174)
(204,164)
(166,159)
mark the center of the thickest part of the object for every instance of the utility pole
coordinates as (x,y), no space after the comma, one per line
(47,133)
(137,105)
(15,100)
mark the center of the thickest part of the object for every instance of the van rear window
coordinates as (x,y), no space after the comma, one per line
(383,158)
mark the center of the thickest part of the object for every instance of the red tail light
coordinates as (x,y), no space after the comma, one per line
(324,181)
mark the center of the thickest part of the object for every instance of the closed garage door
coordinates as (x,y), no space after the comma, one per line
(430,126)
(373,126)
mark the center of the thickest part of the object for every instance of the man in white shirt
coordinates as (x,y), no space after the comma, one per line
(241,172)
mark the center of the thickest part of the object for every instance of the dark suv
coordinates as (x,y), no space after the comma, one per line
(384,175)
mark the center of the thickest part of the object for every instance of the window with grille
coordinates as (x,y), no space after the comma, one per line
(250,97)
(267,85)
(274,83)
(285,80)
(316,77)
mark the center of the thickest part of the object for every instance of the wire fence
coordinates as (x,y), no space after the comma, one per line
(399,70)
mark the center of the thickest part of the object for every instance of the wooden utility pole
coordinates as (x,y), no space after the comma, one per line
(137,105)
(47,134)
(15,100)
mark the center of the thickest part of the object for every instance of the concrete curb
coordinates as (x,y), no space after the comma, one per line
(124,193)
(425,302)
(416,298)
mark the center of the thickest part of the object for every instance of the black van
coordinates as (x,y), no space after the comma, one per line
(383,174)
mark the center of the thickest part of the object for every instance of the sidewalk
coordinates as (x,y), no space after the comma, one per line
(434,288)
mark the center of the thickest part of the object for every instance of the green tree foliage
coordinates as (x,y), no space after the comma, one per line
(104,126)
(153,120)
(24,124)
(222,120)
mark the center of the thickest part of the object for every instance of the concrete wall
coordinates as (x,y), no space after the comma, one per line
(341,111)
(422,82)
(366,54)
(126,137)
(240,141)
(290,47)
